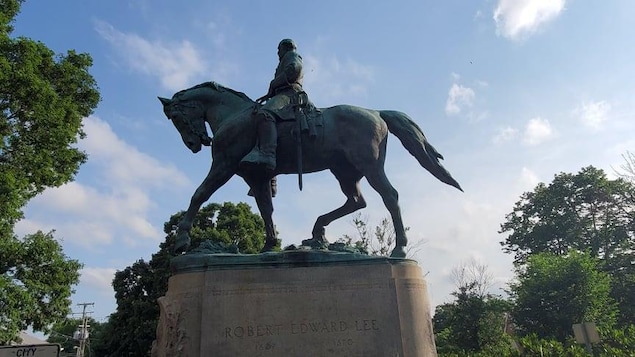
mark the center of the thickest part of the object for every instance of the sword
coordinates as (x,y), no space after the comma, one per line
(298,117)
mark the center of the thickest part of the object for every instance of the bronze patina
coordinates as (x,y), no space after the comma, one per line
(347,140)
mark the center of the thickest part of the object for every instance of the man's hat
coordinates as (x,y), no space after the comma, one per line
(287,43)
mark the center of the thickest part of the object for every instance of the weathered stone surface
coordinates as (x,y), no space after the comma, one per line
(297,307)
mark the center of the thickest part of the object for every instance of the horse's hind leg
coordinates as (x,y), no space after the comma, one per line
(348,178)
(378,180)
(262,191)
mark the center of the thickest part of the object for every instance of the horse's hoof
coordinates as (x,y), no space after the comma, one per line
(270,246)
(182,243)
(315,243)
(398,252)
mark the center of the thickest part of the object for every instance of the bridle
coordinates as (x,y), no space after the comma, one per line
(193,105)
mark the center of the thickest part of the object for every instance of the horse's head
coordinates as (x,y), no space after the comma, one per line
(188,119)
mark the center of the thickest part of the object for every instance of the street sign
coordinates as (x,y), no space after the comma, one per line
(586,332)
(47,350)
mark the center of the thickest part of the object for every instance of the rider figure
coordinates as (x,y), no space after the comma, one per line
(285,85)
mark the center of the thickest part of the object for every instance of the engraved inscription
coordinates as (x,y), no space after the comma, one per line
(267,346)
(294,289)
(252,331)
(366,325)
(302,328)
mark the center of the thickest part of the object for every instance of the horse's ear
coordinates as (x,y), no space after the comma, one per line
(165,101)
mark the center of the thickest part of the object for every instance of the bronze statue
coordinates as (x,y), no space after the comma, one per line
(347,140)
(283,90)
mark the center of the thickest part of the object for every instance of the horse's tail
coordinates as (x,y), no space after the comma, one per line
(415,142)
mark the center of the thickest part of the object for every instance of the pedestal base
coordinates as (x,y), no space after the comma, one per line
(296,306)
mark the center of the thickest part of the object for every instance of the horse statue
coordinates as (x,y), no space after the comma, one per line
(351,143)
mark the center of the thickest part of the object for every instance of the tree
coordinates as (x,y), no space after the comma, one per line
(35,284)
(475,320)
(380,241)
(627,169)
(554,292)
(43,98)
(585,212)
(131,328)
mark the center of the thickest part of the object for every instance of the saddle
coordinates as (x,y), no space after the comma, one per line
(302,110)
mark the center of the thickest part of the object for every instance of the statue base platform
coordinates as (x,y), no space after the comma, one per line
(295,303)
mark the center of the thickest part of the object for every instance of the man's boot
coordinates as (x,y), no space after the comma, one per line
(264,153)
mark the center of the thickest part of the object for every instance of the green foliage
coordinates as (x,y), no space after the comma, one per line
(8,11)
(582,212)
(475,321)
(554,292)
(614,343)
(131,328)
(532,345)
(617,342)
(43,98)
(471,323)
(35,284)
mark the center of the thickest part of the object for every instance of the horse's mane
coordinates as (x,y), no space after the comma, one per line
(215,86)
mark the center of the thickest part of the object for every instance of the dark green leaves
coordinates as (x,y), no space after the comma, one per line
(581,212)
(554,292)
(35,284)
(43,99)
(131,329)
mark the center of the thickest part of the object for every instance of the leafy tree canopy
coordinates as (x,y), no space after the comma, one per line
(583,212)
(35,284)
(43,98)
(131,329)
(554,292)
(474,321)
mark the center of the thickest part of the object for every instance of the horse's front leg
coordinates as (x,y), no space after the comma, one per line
(218,175)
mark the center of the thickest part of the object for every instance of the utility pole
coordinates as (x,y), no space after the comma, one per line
(82,333)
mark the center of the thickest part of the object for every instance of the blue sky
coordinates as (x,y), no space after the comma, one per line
(511,92)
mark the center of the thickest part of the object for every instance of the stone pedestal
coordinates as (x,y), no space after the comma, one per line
(295,304)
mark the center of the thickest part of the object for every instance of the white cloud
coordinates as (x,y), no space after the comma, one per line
(528,179)
(517,19)
(100,278)
(458,98)
(331,80)
(125,163)
(176,64)
(116,205)
(593,114)
(537,131)
(504,135)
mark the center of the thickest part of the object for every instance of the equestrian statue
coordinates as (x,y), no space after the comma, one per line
(284,133)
